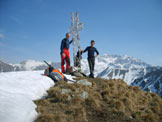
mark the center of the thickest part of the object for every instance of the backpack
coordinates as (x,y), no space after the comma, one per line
(55,74)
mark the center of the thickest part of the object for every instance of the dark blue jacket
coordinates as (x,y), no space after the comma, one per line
(65,44)
(91,51)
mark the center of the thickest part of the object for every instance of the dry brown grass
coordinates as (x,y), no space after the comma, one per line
(108,101)
(45,118)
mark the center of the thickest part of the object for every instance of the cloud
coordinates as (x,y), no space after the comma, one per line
(2,36)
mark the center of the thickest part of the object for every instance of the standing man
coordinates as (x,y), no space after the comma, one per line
(91,57)
(65,56)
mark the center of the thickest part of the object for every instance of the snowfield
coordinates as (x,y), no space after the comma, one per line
(17,92)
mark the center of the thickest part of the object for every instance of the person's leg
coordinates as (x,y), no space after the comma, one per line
(62,64)
(67,58)
(93,64)
(90,66)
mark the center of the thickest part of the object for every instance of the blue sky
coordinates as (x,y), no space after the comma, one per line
(33,29)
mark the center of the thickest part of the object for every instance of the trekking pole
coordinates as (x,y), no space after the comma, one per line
(48,64)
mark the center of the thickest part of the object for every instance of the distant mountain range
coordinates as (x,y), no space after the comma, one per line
(151,80)
(133,71)
(29,65)
(4,67)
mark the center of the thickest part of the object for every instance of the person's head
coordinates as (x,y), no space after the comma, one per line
(67,35)
(92,43)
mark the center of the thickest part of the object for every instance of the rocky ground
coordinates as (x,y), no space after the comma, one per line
(98,100)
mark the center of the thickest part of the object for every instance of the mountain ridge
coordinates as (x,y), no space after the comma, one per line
(131,70)
(27,65)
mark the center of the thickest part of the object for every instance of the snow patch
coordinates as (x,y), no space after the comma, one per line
(17,92)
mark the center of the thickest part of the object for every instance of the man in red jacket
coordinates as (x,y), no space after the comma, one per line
(65,56)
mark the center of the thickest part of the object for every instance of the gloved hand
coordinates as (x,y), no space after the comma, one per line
(82,51)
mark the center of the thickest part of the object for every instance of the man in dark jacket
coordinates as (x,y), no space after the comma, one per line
(65,56)
(91,57)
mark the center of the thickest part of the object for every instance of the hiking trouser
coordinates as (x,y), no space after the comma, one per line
(91,62)
(66,59)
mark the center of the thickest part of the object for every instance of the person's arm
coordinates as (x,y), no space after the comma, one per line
(62,46)
(85,50)
(96,52)
(71,40)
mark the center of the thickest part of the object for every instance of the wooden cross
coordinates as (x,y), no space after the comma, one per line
(74,30)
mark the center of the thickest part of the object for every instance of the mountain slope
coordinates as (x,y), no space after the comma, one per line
(4,67)
(128,75)
(29,65)
(98,100)
(113,62)
(151,81)
(107,66)
(131,70)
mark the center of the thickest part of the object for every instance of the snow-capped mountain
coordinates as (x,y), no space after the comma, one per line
(29,65)
(128,75)
(151,80)
(4,67)
(114,66)
(131,70)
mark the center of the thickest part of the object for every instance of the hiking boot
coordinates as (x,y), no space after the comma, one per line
(91,76)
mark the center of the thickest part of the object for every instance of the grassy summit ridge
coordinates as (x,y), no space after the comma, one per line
(103,101)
